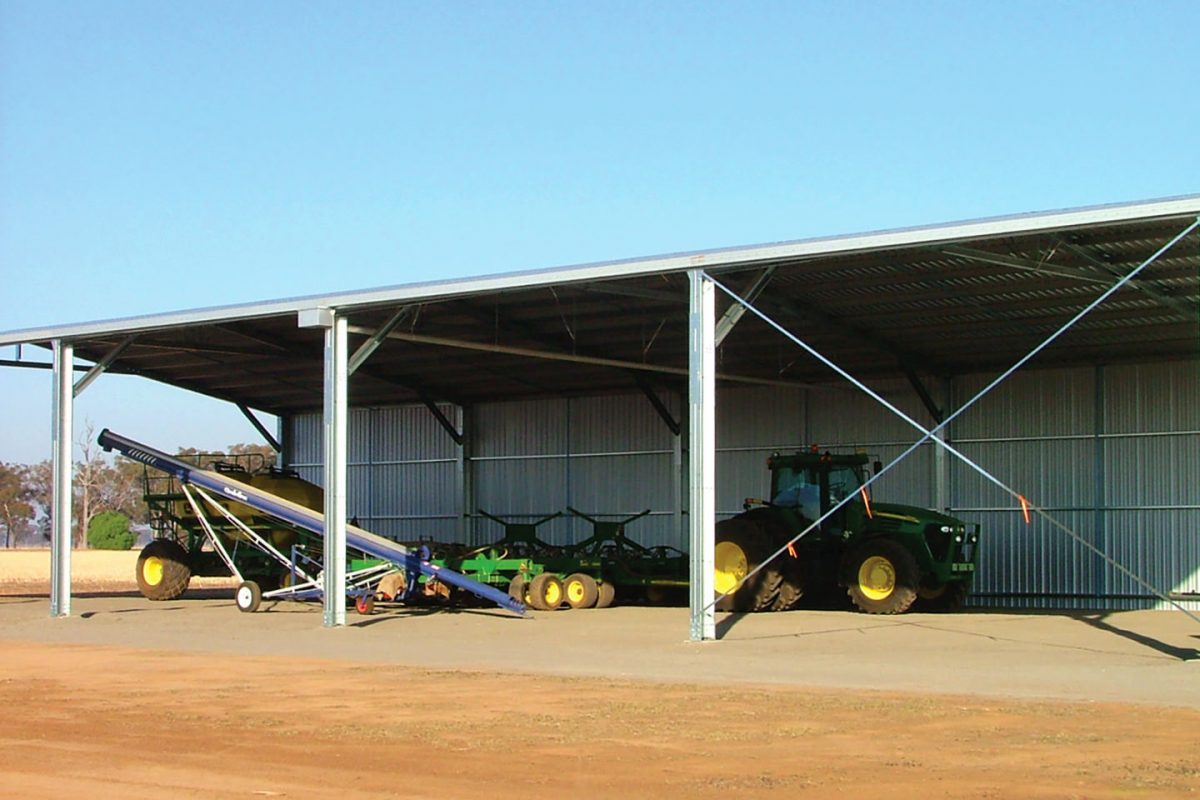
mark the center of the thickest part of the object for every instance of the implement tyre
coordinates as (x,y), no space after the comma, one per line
(607,595)
(741,546)
(581,590)
(546,592)
(882,577)
(518,589)
(163,572)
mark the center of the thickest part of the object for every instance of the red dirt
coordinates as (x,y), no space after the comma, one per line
(87,721)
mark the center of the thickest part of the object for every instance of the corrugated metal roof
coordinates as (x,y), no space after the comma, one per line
(939,300)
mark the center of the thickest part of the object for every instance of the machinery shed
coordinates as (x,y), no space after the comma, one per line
(528,393)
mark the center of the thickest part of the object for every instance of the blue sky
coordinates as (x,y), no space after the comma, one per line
(157,156)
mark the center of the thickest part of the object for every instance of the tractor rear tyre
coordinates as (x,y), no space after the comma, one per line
(163,572)
(741,546)
(945,599)
(546,592)
(607,595)
(248,596)
(791,588)
(581,590)
(882,577)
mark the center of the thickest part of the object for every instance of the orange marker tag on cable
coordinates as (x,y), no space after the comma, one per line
(1024,507)
(866,501)
(791,550)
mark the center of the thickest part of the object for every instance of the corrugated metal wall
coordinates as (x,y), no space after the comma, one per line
(1112,453)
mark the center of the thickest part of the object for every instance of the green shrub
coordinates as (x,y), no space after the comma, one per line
(109,530)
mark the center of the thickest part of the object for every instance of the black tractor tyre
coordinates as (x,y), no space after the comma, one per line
(945,599)
(882,577)
(741,546)
(163,571)
(791,588)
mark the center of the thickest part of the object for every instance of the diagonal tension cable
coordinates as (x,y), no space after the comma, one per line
(928,434)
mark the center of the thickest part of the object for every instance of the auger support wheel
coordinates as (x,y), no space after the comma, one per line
(248,596)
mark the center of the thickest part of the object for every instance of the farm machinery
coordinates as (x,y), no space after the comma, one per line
(165,565)
(888,557)
(591,573)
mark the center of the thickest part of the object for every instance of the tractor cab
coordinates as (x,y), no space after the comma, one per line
(812,483)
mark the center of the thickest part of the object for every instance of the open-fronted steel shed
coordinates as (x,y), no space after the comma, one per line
(925,315)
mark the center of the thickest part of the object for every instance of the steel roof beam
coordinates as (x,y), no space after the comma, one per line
(258,426)
(1022,264)
(1182,307)
(736,311)
(525,352)
(831,322)
(100,366)
(372,343)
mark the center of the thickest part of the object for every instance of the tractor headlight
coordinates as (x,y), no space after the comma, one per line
(958,539)
(946,529)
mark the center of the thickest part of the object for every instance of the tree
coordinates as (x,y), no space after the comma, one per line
(16,511)
(110,531)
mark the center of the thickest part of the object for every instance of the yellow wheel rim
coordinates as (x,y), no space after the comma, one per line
(731,566)
(152,571)
(552,594)
(877,578)
(575,592)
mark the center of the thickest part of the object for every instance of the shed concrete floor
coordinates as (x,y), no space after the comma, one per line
(1147,657)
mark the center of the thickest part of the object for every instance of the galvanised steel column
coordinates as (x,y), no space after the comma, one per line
(60,504)
(336,379)
(702,447)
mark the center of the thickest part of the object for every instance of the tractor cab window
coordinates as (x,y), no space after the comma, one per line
(798,488)
(843,481)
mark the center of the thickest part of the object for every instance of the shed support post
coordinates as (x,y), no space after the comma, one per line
(466,476)
(337,377)
(336,380)
(702,445)
(60,505)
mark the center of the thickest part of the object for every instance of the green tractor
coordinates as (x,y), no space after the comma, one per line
(889,558)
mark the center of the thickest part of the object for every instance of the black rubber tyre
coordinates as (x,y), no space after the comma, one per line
(741,546)
(606,595)
(248,596)
(518,589)
(882,577)
(163,572)
(945,599)
(581,590)
(546,592)
(791,588)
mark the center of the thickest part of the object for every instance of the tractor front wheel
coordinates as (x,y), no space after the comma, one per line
(163,572)
(882,577)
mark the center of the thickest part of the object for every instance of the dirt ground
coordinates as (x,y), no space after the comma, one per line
(132,699)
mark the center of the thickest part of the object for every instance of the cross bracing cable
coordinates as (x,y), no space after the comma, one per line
(931,434)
